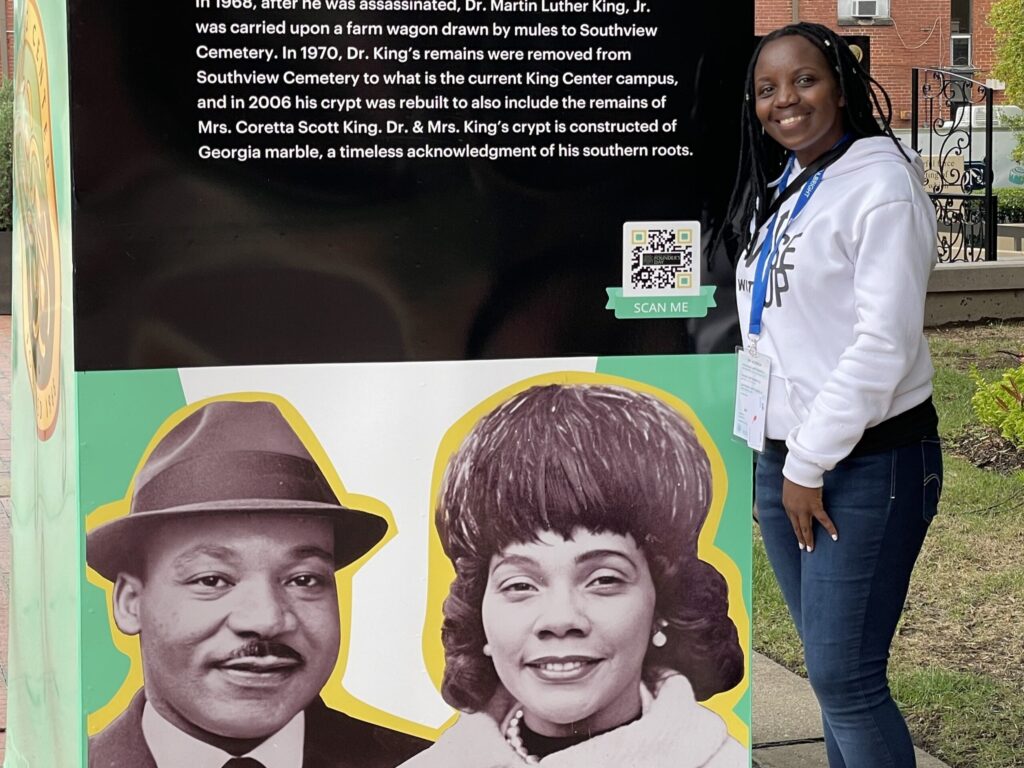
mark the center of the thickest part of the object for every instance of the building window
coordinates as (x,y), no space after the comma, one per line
(960,50)
(960,33)
(960,16)
(863,11)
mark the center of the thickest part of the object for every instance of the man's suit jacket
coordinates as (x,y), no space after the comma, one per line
(333,740)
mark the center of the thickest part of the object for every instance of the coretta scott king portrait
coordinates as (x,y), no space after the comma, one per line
(582,630)
(225,568)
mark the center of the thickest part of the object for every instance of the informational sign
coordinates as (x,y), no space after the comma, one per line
(383,181)
(330,450)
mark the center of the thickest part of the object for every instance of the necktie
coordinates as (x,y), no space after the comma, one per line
(243,762)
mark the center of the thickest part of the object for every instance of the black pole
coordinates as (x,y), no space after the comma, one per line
(913,109)
(990,207)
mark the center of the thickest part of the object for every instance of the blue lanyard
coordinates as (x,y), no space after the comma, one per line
(769,253)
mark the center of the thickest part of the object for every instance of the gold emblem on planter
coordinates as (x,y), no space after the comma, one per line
(36,223)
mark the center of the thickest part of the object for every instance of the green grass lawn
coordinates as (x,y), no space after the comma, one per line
(958,658)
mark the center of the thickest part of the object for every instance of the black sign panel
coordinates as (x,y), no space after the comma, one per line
(301,181)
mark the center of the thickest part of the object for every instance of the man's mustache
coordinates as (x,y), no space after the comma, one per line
(257,648)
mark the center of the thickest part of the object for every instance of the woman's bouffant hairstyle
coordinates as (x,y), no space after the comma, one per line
(867,112)
(606,459)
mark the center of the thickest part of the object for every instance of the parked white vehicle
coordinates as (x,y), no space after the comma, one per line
(975,115)
(1006,172)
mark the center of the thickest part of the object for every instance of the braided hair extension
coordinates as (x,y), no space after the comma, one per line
(761,159)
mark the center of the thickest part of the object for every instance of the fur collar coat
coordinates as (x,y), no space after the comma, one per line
(674,731)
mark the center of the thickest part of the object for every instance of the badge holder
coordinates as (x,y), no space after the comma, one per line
(753,373)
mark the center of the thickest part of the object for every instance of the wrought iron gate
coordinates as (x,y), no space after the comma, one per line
(946,109)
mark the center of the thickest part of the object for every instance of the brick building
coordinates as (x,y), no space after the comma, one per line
(7,40)
(897,35)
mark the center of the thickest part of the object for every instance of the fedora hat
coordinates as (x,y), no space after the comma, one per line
(229,457)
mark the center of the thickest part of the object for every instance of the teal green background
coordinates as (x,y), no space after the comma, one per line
(707,384)
(119,414)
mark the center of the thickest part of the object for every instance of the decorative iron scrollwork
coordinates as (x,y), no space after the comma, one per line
(958,174)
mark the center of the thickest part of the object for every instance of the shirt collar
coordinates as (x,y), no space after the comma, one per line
(173,748)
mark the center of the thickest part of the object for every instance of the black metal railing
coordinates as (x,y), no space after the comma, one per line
(958,174)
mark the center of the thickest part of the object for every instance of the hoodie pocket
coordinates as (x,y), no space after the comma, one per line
(795,401)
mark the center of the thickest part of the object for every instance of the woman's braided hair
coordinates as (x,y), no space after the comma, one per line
(867,112)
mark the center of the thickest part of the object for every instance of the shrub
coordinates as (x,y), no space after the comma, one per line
(1000,404)
(1011,204)
(6,152)
(1017,124)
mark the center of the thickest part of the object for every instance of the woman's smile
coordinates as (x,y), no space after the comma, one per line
(563,670)
(788,122)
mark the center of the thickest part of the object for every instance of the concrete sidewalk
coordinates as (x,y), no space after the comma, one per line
(787,722)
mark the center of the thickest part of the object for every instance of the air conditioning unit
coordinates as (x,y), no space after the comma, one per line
(865,9)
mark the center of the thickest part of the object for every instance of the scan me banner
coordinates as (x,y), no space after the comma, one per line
(329,452)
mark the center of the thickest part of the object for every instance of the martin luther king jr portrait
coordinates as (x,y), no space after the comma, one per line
(224,566)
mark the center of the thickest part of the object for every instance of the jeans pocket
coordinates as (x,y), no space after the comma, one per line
(931,464)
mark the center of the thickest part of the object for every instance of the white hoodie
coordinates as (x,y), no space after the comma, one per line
(844,310)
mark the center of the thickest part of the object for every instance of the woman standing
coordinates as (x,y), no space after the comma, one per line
(831,290)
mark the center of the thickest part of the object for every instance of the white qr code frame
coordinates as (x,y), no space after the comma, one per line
(668,241)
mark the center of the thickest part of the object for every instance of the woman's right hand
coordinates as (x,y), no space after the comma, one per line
(803,506)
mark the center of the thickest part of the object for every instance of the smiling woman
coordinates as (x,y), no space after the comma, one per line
(582,628)
(830,290)
(561,618)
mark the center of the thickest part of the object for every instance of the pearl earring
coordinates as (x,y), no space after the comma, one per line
(659,639)
(487,649)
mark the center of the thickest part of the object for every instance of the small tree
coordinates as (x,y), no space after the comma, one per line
(1007,19)
(6,147)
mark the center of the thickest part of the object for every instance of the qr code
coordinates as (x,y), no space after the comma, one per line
(658,258)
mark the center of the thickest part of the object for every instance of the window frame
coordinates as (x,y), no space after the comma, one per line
(953,39)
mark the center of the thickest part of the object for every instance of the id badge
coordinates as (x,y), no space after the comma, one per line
(753,373)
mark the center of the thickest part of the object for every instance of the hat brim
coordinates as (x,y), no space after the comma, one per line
(114,546)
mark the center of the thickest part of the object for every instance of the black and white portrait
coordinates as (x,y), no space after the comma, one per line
(582,628)
(224,567)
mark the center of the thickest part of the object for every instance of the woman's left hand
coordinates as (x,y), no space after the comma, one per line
(803,506)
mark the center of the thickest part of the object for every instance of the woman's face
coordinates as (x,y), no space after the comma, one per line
(568,623)
(797,98)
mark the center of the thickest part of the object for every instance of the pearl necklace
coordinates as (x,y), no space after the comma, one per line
(515,740)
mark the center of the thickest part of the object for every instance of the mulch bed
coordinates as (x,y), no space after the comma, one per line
(987,449)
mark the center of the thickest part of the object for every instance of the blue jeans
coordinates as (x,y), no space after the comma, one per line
(847,595)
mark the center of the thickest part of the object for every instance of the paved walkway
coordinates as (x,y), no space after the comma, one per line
(787,723)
